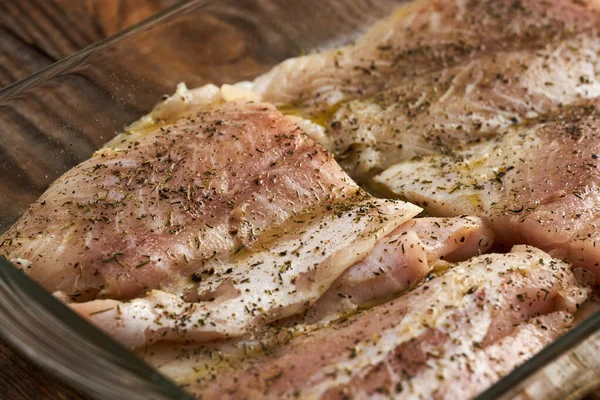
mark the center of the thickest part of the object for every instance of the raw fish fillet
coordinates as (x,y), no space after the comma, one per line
(421,37)
(450,338)
(437,75)
(226,218)
(537,183)
(400,261)
(447,110)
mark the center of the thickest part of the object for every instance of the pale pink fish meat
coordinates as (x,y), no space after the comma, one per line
(219,238)
(437,75)
(444,111)
(225,219)
(450,338)
(400,261)
(130,220)
(421,37)
(280,276)
(536,183)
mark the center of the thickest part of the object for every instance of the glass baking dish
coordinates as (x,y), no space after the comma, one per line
(57,117)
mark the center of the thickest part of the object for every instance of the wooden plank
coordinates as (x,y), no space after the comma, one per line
(20,380)
(36,33)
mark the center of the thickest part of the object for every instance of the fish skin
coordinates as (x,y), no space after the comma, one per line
(537,183)
(457,326)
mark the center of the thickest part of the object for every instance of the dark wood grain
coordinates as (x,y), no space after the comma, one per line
(20,380)
(36,33)
(33,35)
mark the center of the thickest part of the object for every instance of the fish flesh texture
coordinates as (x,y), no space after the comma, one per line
(450,338)
(394,266)
(167,232)
(210,182)
(444,111)
(277,278)
(537,183)
(436,75)
(422,36)
(400,261)
(226,218)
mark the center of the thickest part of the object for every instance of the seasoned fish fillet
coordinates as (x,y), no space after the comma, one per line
(400,261)
(133,219)
(421,37)
(267,285)
(449,338)
(231,215)
(439,74)
(537,183)
(286,271)
(446,110)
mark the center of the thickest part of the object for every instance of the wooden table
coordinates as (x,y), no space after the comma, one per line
(34,34)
